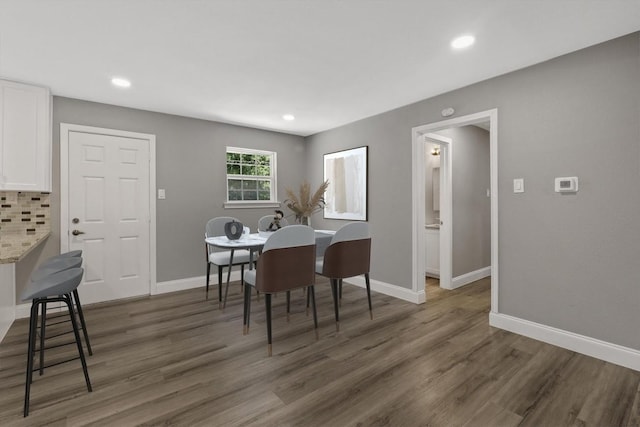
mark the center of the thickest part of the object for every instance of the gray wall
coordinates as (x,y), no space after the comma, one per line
(190,165)
(565,261)
(470,180)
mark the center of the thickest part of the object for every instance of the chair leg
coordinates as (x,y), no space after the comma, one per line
(267,303)
(366,279)
(76,298)
(219,284)
(307,303)
(74,323)
(33,322)
(208,271)
(315,314)
(288,304)
(340,291)
(43,326)
(241,276)
(334,291)
(246,301)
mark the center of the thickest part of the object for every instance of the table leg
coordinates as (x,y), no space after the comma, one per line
(226,289)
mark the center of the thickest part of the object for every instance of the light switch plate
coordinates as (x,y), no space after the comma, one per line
(518,185)
(161,194)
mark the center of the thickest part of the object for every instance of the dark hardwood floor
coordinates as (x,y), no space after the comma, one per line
(175,359)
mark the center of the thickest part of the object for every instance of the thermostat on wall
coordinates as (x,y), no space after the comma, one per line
(567,184)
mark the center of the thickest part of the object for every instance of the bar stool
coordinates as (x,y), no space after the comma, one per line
(56,266)
(56,287)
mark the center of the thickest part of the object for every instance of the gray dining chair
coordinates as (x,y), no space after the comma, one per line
(287,262)
(348,255)
(220,257)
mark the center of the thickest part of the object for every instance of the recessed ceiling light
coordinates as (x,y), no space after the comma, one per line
(120,82)
(288,117)
(463,41)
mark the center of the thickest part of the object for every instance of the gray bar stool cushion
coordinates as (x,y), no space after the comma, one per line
(55,267)
(55,258)
(60,283)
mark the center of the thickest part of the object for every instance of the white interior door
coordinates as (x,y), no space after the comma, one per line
(108,212)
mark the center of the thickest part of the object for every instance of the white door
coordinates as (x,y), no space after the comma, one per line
(108,212)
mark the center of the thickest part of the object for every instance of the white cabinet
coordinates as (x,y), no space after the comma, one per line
(25,137)
(432,240)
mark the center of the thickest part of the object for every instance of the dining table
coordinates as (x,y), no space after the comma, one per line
(254,242)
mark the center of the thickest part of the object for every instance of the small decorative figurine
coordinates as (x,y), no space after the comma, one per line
(275,224)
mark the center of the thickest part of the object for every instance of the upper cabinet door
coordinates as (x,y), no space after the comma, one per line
(25,137)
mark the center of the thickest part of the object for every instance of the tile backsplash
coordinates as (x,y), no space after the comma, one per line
(24,212)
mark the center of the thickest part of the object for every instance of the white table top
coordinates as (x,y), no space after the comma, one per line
(250,241)
(253,240)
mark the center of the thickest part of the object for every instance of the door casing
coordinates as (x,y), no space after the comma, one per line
(418,195)
(65,130)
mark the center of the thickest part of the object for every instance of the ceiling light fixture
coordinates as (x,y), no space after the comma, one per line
(120,82)
(288,117)
(463,42)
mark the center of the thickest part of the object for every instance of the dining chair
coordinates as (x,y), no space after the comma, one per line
(348,255)
(220,257)
(265,221)
(287,262)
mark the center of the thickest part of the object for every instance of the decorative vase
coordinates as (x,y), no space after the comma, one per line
(233,230)
(305,220)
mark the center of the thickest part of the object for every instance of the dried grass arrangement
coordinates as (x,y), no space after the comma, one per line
(304,204)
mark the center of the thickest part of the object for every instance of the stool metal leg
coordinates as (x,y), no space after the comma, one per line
(67,300)
(33,321)
(76,298)
(43,325)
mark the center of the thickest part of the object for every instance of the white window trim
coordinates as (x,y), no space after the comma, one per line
(245,204)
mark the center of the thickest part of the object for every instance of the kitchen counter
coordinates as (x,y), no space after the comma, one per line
(15,246)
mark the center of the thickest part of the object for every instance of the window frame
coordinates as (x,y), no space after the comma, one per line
(273,179)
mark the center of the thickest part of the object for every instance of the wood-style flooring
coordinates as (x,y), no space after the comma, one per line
(176,359)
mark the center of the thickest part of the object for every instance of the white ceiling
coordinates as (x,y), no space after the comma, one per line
(328,62)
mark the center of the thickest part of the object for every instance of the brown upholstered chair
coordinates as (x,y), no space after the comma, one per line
(348,255)
(287,262)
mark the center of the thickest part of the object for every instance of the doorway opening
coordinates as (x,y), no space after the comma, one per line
(429,133)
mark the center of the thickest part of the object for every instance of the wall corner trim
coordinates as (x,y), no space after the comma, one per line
(472,276)
(613,353)
(389,289)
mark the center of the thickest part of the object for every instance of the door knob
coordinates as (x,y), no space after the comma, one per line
(76,232)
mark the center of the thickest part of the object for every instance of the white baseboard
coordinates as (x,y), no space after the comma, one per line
(470,277)
(194,282)
(431,272)
(389,289)
(613,353)
(23,310)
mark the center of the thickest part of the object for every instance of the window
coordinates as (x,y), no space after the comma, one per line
(251,176)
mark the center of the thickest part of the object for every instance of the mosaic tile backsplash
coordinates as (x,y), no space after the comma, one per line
(24,212)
